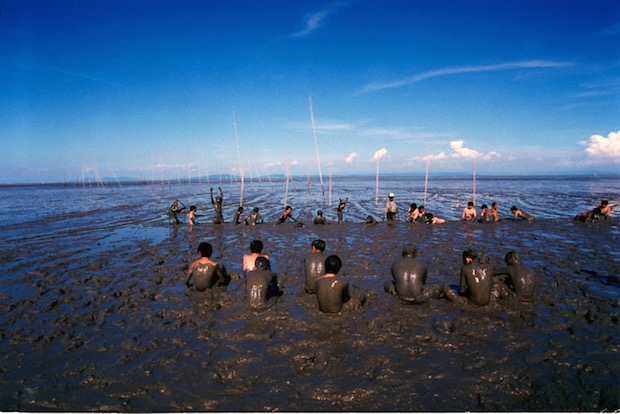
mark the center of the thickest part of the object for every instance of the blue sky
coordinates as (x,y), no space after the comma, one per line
(151,89)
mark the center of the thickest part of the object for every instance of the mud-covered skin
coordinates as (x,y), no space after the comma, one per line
(476,281)
(521,279)
(314,267)
(206,276)
(261,287)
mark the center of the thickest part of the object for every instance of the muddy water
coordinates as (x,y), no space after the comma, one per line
(100,319)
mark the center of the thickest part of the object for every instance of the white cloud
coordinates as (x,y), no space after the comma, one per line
(314,21)
(382,153)
(604,149)
(352,156)
(457,70)
(461,151)
(431,157)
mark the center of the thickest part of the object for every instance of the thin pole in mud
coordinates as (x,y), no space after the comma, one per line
(242,186)
(288,174)
(377,185)
(426,178)
(316,145)
(331,164)
(241,169)
(474,173)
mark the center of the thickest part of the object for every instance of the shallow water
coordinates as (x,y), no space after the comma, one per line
(95,315)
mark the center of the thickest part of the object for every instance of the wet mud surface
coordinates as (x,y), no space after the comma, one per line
(101,320)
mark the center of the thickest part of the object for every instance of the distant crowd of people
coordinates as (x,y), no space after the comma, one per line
(415,213)
(479,282)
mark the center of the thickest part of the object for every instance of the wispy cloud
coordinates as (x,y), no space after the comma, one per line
(457,70)
(352,156)
(401,133)
(314,21)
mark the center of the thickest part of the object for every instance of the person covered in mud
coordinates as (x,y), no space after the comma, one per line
(261,286)
(370,221)
(205,272)
(286,215)
(520,214)
(237,219)
(314,265)
(249,260)
(520,278)
(319,219)
(486,216)
(413,213)
(334,294)
(341,207)
(391,208)
(469,212)
(495,212)
(409,279)
(174,210)
(476,280)
(217,205)
(254,217)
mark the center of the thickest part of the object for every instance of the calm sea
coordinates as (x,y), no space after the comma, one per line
(33,209)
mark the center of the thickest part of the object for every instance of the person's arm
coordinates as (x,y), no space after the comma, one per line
(223,278)
(221,193)
(189,275)
(212,200)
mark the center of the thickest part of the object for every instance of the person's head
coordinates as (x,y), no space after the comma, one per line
(319,245)
(484,207)
(261,263)
(494,206)
(319,213)
(409,251)
(512,258)
(240,209)
(604,202)
(256,246)
(175,203)
(470,204)
(288,208)
(413,206)
(333,264)
(193,208)
(391,196)
(513,209)
(369,219)
(255,209)
(205,249)
(421,209)
(469,255)
(429,216)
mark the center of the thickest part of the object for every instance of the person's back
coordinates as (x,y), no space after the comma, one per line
(332,293)
(521,278)
(205,272)
(409,277)
(314,265)
(249,260)
(476,278)
(261,285)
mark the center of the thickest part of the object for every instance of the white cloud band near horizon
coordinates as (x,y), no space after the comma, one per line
(604,148)
(457,70)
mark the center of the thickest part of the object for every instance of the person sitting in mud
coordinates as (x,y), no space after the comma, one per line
(588,216)
(469,213)
(370,221)
(412,214)
(486,215)
(174,210)
(520,214)
(409,278)
(314,265)
(261,286)
(334,294)
(249,260)
(217,205)
(254,217)
(520,278)
(286,215)
(495,212)
(429,218)
(205,272)
(605,209)
(237,219)
(340,208)
(319,219)
(476,280)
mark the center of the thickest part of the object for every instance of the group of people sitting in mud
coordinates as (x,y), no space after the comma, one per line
(479,282)
(415,213)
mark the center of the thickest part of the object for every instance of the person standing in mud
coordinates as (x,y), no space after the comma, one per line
(495,212)
(254,217)
(409,279)
(261,286)
(486,216)
(217,205)
(314,265)
(413,213)
(340,208)
(520,278)
(319,219)
(191,216)
(334,294)
(286,215)
(249,260)
(391,208)
(174,210)
(205,272)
